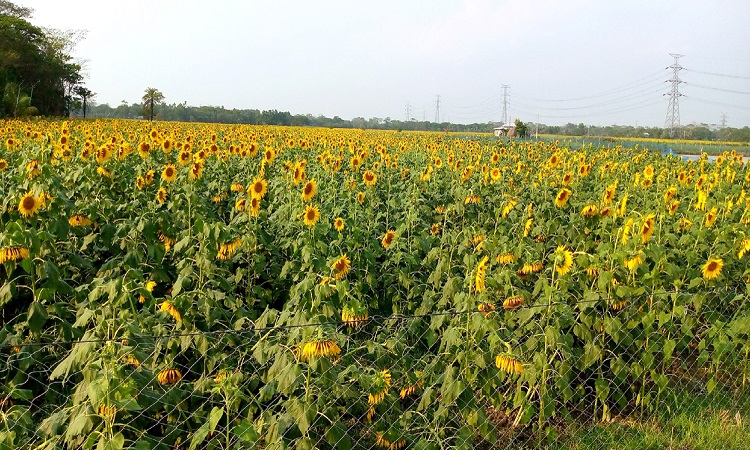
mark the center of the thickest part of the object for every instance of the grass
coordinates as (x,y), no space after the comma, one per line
(686,421)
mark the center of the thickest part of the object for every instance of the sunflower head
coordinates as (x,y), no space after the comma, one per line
(338,224)
(311,215)
(712,268)
(387,240)
(29,205)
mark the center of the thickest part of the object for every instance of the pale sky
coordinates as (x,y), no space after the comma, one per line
(593,61)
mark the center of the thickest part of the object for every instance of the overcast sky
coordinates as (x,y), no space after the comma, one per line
(592,61)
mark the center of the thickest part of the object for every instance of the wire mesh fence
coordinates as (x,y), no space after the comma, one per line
(521,373)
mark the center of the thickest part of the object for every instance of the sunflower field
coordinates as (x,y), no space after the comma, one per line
(174,285)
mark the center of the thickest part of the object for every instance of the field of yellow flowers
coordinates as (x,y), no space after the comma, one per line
(167,284)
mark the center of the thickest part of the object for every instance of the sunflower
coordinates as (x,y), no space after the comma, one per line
(360,197)
(623,205)
(169,308)
(384,442)
(309,191)
(29,205)
(168,377)
(161,195)
(33,169)
(590,210)
(3,164)
(513,303)
(567,179)
(562,197)
(673,207)
(312,215)
(79,221)
(479,285)
(241,203)
(258,189)
(254,206)
(148,178)
(185,156)
(486,308)
(609,194)
(711,217)
(196,170)
(563,260)
(633,262)
(387,240)
(369,178)
(508,363)
(169,174)
(354,314)
(341,267)
(712,268)
(320,348)
(269,155)
(228,249)
(669,194)
(506,258)
(647,228)
(744,248)
(508,207)
(13,254)
(527,227)
(338,224)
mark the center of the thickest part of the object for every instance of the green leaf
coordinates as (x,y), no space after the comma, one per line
(116,443)
(207,428)
(37,317)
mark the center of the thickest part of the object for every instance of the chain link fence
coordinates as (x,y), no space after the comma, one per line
(518,374)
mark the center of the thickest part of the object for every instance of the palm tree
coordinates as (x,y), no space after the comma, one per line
(151,97)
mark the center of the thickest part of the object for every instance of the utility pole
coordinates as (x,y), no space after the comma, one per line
(437,109)
(673,109)
(408,112)
(505,104)
(723,120)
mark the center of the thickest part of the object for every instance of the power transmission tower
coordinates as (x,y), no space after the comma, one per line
(408,112)
(505,104)
(723,120)
(673,109)
(437,109)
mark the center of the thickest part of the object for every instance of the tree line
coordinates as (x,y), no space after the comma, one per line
(38,75)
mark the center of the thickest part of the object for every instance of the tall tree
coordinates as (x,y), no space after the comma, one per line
(151,97)
(84,94)
(36,63)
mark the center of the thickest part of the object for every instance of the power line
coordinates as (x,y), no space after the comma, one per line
(719,74)
(634,84)
(717,89)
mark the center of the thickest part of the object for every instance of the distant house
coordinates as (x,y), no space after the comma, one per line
(505,130)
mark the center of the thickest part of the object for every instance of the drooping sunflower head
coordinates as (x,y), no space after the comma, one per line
(341,267)
(387,240)
(161,195)
(647,228)
(562,197)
